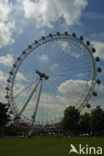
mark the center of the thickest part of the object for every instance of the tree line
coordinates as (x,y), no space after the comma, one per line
(6,126)
(73,121)
(78,123)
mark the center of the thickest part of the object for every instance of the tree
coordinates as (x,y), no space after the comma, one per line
(14,129)
(71,119)
(4,117)
(85,126)
(97,119)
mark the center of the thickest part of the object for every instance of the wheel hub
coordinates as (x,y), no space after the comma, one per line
(42,75)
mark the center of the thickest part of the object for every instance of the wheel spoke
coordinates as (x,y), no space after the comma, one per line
(29,98)
(36,109)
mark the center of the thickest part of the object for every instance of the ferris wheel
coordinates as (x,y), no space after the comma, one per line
(53,73)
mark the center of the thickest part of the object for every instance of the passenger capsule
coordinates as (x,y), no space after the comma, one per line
(17,117)
(98,81)
(73,34)
(6,96)
(43,38)
(58,33)
(97,59)
(14,65)
(66,33)
(93,50)
(8,80)
(88,106)
(11,73)
(50,35)
(99,70)
(30,46)
(94,94)
(81,38)
(19,58)
(7,88)
(36,42)
(24,52)
(88,43)
(11,112)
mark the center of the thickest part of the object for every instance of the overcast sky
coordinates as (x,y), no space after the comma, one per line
(23,21)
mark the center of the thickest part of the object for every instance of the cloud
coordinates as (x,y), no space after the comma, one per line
(93,15)
(80,75)
(6,33)
(45,12)
(99,36)
(49,109)
(43,58)
(14,16)
(20,77)
(99,100)
(19,90)
(99,48)
(52,106)
(54,67)
(68,48)
(3,78)
(64,45)
(7,60)
(6,24)
(71,91)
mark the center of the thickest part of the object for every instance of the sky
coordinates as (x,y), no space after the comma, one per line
(24,21)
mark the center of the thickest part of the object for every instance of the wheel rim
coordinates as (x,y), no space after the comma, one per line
(74,58)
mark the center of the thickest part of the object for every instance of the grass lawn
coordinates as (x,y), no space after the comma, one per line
(44,146)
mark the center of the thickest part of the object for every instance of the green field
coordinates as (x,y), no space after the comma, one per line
(44,146)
